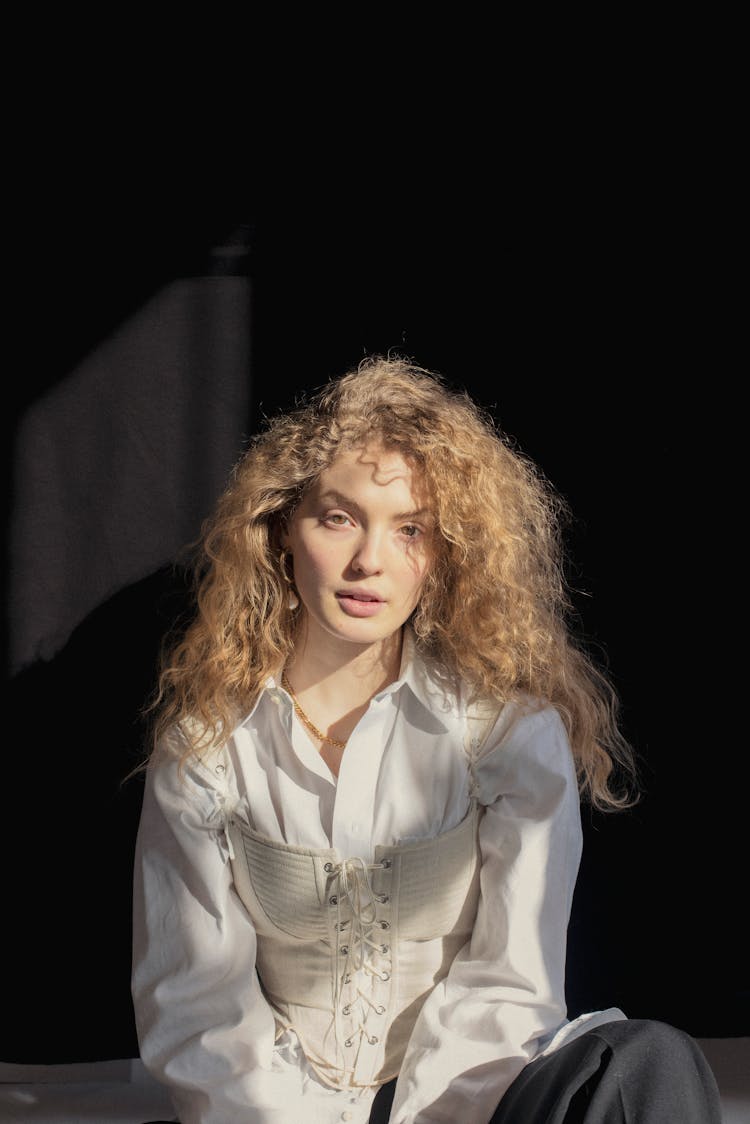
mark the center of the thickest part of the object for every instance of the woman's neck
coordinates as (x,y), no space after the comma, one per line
(337,680)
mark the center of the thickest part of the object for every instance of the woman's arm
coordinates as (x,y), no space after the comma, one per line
(505,993)
(204,1028)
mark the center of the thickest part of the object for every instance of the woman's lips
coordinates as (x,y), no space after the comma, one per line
(359,604)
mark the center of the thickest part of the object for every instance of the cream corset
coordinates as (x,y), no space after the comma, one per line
(349,951)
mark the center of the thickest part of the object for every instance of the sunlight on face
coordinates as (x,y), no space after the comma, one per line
(361,542)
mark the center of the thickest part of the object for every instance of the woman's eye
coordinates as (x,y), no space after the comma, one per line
(337,518)
(411,530)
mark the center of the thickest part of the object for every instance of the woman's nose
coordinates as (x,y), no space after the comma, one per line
(368,558)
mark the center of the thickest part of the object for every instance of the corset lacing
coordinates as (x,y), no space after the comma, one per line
(356,942)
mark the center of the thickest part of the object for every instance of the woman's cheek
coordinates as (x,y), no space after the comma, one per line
(310,571)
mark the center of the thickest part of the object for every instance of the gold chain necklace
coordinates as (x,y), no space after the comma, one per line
(304,719)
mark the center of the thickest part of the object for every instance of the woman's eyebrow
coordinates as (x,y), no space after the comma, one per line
(338,497)
(332,496)
(422,513)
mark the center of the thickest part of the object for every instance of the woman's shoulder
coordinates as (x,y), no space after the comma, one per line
(489,723)
(181,763)
(521,733)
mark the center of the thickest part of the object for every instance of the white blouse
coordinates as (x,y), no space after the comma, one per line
(204,1027)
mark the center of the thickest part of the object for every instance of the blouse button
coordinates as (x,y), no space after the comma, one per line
(220,769)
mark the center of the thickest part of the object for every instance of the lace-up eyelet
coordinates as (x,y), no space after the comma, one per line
(383,898)
(373,1041)
(347,978)
(333,900)
(385,924)
(386,864)
(347,1010)
(380,1009)
(348,1042)
(328,867)
(385,975)
(344,949)
(342,925)
(384,948)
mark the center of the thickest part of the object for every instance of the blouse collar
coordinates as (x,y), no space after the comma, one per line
(417,674)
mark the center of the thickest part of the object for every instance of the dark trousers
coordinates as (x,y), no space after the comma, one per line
(636,1071)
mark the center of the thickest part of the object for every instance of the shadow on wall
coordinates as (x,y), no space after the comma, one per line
(70,828)
(134,414)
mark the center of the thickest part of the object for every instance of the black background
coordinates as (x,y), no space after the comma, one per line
(575,300)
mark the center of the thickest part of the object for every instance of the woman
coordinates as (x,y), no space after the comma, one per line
(361,830)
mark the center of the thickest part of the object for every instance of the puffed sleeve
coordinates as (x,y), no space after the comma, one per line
(504,995)
(204,1027)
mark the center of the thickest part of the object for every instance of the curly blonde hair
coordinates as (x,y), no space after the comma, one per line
(494,609)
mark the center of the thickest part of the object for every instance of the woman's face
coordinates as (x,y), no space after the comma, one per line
(361,542)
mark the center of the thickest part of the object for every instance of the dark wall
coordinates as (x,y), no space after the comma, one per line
(569,320)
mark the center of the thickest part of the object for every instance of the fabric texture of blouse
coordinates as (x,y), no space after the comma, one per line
(206,1026)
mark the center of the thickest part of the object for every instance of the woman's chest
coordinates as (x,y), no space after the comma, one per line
(396,785)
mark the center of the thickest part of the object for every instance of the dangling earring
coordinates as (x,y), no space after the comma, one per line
(293,599)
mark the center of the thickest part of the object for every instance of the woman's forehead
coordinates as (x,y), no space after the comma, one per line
(372,468)
(382,464)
